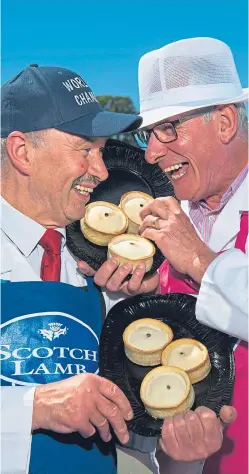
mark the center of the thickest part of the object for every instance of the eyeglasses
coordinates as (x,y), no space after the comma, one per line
(165,132)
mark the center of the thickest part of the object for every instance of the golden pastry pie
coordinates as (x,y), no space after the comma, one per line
(166,391)
(145,339)
(132,203)
(130,248)
(103,221)
(190,355)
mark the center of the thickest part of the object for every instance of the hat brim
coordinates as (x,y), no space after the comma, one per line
(151,117)
(102,124)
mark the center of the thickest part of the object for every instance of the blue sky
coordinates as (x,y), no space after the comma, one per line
(103,40)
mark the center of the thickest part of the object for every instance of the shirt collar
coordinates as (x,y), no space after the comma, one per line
(21,230)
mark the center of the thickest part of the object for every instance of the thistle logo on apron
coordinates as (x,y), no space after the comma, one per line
(58,345)
(46,346)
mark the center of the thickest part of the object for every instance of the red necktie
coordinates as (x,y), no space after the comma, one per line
(51,259)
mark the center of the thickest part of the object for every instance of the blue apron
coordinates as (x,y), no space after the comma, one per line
(50,331)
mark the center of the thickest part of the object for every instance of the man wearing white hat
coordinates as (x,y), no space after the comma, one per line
(195,128)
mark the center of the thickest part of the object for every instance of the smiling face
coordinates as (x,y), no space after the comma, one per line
(66,171)
(198,163)
(55,177)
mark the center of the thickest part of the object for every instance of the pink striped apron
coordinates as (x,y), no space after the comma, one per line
(233,456)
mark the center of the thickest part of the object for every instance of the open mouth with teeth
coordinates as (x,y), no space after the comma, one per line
(78,187)
(178,170)
(83,189)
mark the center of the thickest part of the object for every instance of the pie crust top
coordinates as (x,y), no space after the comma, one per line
(132,203)
(105,217)
(165,387)
(147,335)
(185,353)
(132,247)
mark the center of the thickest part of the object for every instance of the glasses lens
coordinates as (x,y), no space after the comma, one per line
(165,132)
(142,138)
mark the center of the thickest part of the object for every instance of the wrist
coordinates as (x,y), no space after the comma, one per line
(199,265)
(38,409)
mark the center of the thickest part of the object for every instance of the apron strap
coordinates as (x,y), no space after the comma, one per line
(241,239)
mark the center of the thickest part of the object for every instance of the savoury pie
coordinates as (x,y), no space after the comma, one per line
(132,203)
(145,339)
(166,391)
(130,248)
(103,221)
(190,355)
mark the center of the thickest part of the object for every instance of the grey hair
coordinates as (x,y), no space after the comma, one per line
(242,119)
(37,139)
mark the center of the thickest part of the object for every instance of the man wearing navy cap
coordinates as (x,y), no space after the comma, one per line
(51,163)
(53,134)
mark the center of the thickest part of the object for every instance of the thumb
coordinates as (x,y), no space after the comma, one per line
(150,284)
(228,415)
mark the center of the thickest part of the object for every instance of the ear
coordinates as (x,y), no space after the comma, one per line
(228,122)
(20,151)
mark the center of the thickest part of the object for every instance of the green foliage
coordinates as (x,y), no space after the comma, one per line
(121,104)
(117,103)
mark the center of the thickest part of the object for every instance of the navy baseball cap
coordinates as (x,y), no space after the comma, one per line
(52,97)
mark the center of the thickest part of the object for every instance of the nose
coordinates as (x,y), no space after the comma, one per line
(96,166)
(155,150)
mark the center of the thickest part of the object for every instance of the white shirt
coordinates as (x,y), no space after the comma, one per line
(21,253)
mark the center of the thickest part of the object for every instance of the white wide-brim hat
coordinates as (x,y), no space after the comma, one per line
(187,75)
